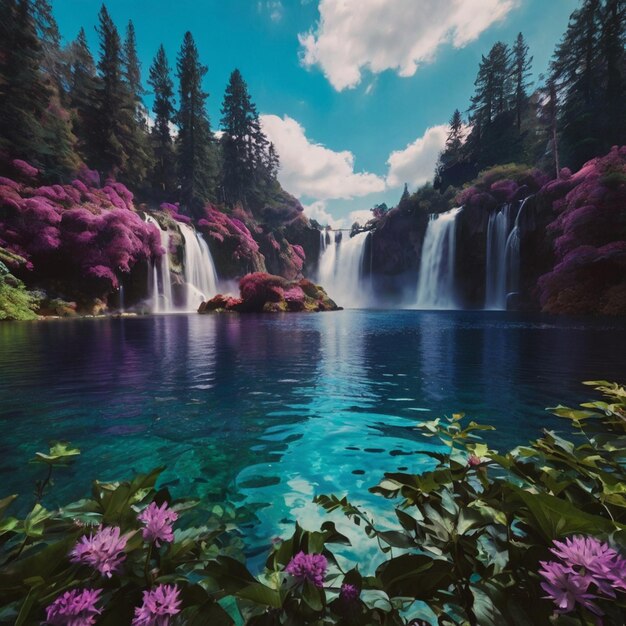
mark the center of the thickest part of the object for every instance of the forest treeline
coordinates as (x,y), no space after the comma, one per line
(61,108)
(576,113)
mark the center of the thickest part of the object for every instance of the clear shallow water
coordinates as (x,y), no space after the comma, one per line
(270,410)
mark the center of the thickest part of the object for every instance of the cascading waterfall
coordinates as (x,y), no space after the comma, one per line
(159,280)
(503,256)
(340,269)
(436,287)
(199,269)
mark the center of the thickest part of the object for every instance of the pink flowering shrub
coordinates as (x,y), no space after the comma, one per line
(503,183)
(173,210)
(24,169)
(589,233)
(76,232)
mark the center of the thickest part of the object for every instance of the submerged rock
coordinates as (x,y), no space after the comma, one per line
(266,293)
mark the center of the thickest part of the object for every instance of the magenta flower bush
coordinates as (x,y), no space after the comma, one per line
(587,570)
(76,232)
(103,551)
(74,608)
(589,275)
(159,606)
(158,522)
(229,230)
(311,567)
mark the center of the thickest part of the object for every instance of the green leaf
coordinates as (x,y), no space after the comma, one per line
(34,522)
(414,576)
(60,453)
(553,517)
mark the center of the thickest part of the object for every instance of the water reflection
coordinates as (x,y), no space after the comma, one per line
(273,409)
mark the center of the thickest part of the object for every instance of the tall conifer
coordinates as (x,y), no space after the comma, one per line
(196,152)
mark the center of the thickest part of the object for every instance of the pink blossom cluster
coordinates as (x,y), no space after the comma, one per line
(589,239)
(76,607)
(587,570)
(311,567)
(173,210)
(159,606)
(230,231)
(75,227)
(103,550)
(158,522)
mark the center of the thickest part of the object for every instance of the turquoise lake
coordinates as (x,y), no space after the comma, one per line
(267,411)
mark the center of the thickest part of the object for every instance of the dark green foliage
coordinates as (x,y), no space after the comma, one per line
(120,147)
(24,94)
(197,163)
(163,178)
(521,71)
(84,93)
(15,302)
(249,161)
(453,167)
(589,71)
(469,539)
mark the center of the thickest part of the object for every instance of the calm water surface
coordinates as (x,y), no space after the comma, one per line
(270,410)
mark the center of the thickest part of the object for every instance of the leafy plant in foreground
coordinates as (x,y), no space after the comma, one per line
(534,536)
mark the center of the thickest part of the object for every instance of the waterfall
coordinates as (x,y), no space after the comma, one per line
(503,256)
(340,270)
(159,280)
(435,287)
(199,269)
(498,231)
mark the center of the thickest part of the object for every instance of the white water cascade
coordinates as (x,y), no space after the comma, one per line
(503,256)
(340,268)
(159,280)
(199,269)
(436,287)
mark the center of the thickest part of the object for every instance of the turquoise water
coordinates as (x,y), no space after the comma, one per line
(267,411)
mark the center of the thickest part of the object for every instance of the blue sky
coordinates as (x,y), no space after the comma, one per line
(355,93)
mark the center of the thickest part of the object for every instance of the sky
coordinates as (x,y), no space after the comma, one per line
(355,94)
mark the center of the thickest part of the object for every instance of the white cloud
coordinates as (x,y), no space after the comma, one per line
(318,211)
(378,35)
(416,163)
(362,216)
(274,8)
(313,170)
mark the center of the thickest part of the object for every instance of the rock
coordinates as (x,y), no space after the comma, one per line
(267,293)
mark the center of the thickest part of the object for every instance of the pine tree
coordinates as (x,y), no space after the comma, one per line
(494,138)
(250,162)
(138,145)
(54,59)
(273,161)
(452,166)
(521,71)
(83,98)
(612,45)
(132,71)
(196,153)
(576,73)
(24,94)
(111,156)
(163,173)
(121,146)
(405,198)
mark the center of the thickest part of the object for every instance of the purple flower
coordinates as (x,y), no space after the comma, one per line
(473,460)
(348,593)
(158,522)
(159,605)
(103,551)
(566,588)
(74,608)
(599,562)
(308,567)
